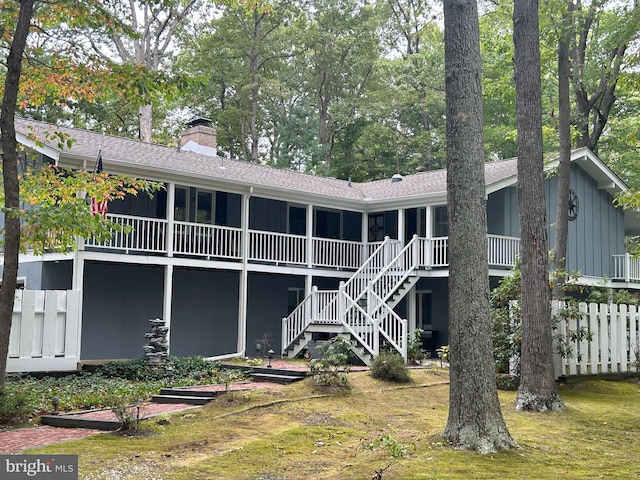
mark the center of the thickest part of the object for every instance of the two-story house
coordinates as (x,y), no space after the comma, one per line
(231,253)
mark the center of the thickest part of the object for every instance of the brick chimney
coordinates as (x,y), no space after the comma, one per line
(199,137)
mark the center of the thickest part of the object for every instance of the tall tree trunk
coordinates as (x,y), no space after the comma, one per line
(10,179)
(564,166)
(537,389)
(427,156)
(145,117)
(475,421)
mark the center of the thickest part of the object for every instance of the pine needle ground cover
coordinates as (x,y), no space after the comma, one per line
(301,432)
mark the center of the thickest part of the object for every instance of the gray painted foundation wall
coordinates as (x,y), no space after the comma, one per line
(267,306)
(204,316)
(119,300)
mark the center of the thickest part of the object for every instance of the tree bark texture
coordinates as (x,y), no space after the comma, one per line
(475,421)
(564,164)
(10,179)
(537,391)
(145,114)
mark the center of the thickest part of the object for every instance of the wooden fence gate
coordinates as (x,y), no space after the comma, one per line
(45,331)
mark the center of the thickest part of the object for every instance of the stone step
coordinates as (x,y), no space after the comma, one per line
(251,371)
(277,378)
(71,421)
(187,392)
(190,400)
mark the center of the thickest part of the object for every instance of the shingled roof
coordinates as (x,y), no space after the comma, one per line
(119,153)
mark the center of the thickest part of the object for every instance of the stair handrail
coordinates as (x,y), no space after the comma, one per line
(310,309)
(356,286)
(364,328)
(407,259)
(390,324)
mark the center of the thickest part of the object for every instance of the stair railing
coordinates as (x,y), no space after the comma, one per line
(359,323)
(391,326)
(390,277)
(318,306)
(356,286)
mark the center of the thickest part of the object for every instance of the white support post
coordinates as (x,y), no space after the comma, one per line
(365,238)
(315,307)
(376,338)
(77,282)
(627,267)
(310,250)
(284,339)
(342,304)
(169,234)
(401,226)
(428,224)
(412,310)
(405,339)
(166,305)
(242,297)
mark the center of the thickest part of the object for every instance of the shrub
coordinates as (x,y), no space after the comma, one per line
(415,352)
(126,409)
(15,407)
(185,368)
(330,370)
(390,367)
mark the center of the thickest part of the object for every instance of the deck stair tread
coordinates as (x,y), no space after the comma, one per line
(191,400)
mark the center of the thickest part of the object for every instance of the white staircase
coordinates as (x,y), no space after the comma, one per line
(362,307)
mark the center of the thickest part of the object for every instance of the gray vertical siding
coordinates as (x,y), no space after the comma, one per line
(268,298)
(594,237)
(119,300)
(204,313)
(598,232)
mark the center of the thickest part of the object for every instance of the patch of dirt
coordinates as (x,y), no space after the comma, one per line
(321,419)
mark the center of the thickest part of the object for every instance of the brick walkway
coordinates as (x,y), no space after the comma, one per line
(20,439)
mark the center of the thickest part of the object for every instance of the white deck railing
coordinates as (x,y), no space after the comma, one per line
(626,267)
(503,251)
(204,240)
(213,241)
(146,234)
(340,254)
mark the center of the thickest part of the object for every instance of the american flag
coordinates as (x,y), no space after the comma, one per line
(99,207)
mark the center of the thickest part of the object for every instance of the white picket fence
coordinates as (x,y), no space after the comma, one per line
(614,345)
(44,331)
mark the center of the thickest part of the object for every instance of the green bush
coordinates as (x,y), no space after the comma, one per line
(195,369)
(330,370)
(390,367)
(415,352)
(15,407)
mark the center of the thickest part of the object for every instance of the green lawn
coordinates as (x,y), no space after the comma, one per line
(298,432)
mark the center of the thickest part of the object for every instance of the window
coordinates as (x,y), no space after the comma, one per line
(441,223)
(376,227)
(204,207)
(297,220)
(415,223)
(180,209)
(327,224)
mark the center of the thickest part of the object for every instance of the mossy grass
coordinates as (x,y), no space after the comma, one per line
(296,432)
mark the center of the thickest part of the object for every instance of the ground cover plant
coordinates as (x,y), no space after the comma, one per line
(297,432)
(111,385)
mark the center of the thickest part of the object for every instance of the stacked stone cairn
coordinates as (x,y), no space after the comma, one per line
(156,350)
